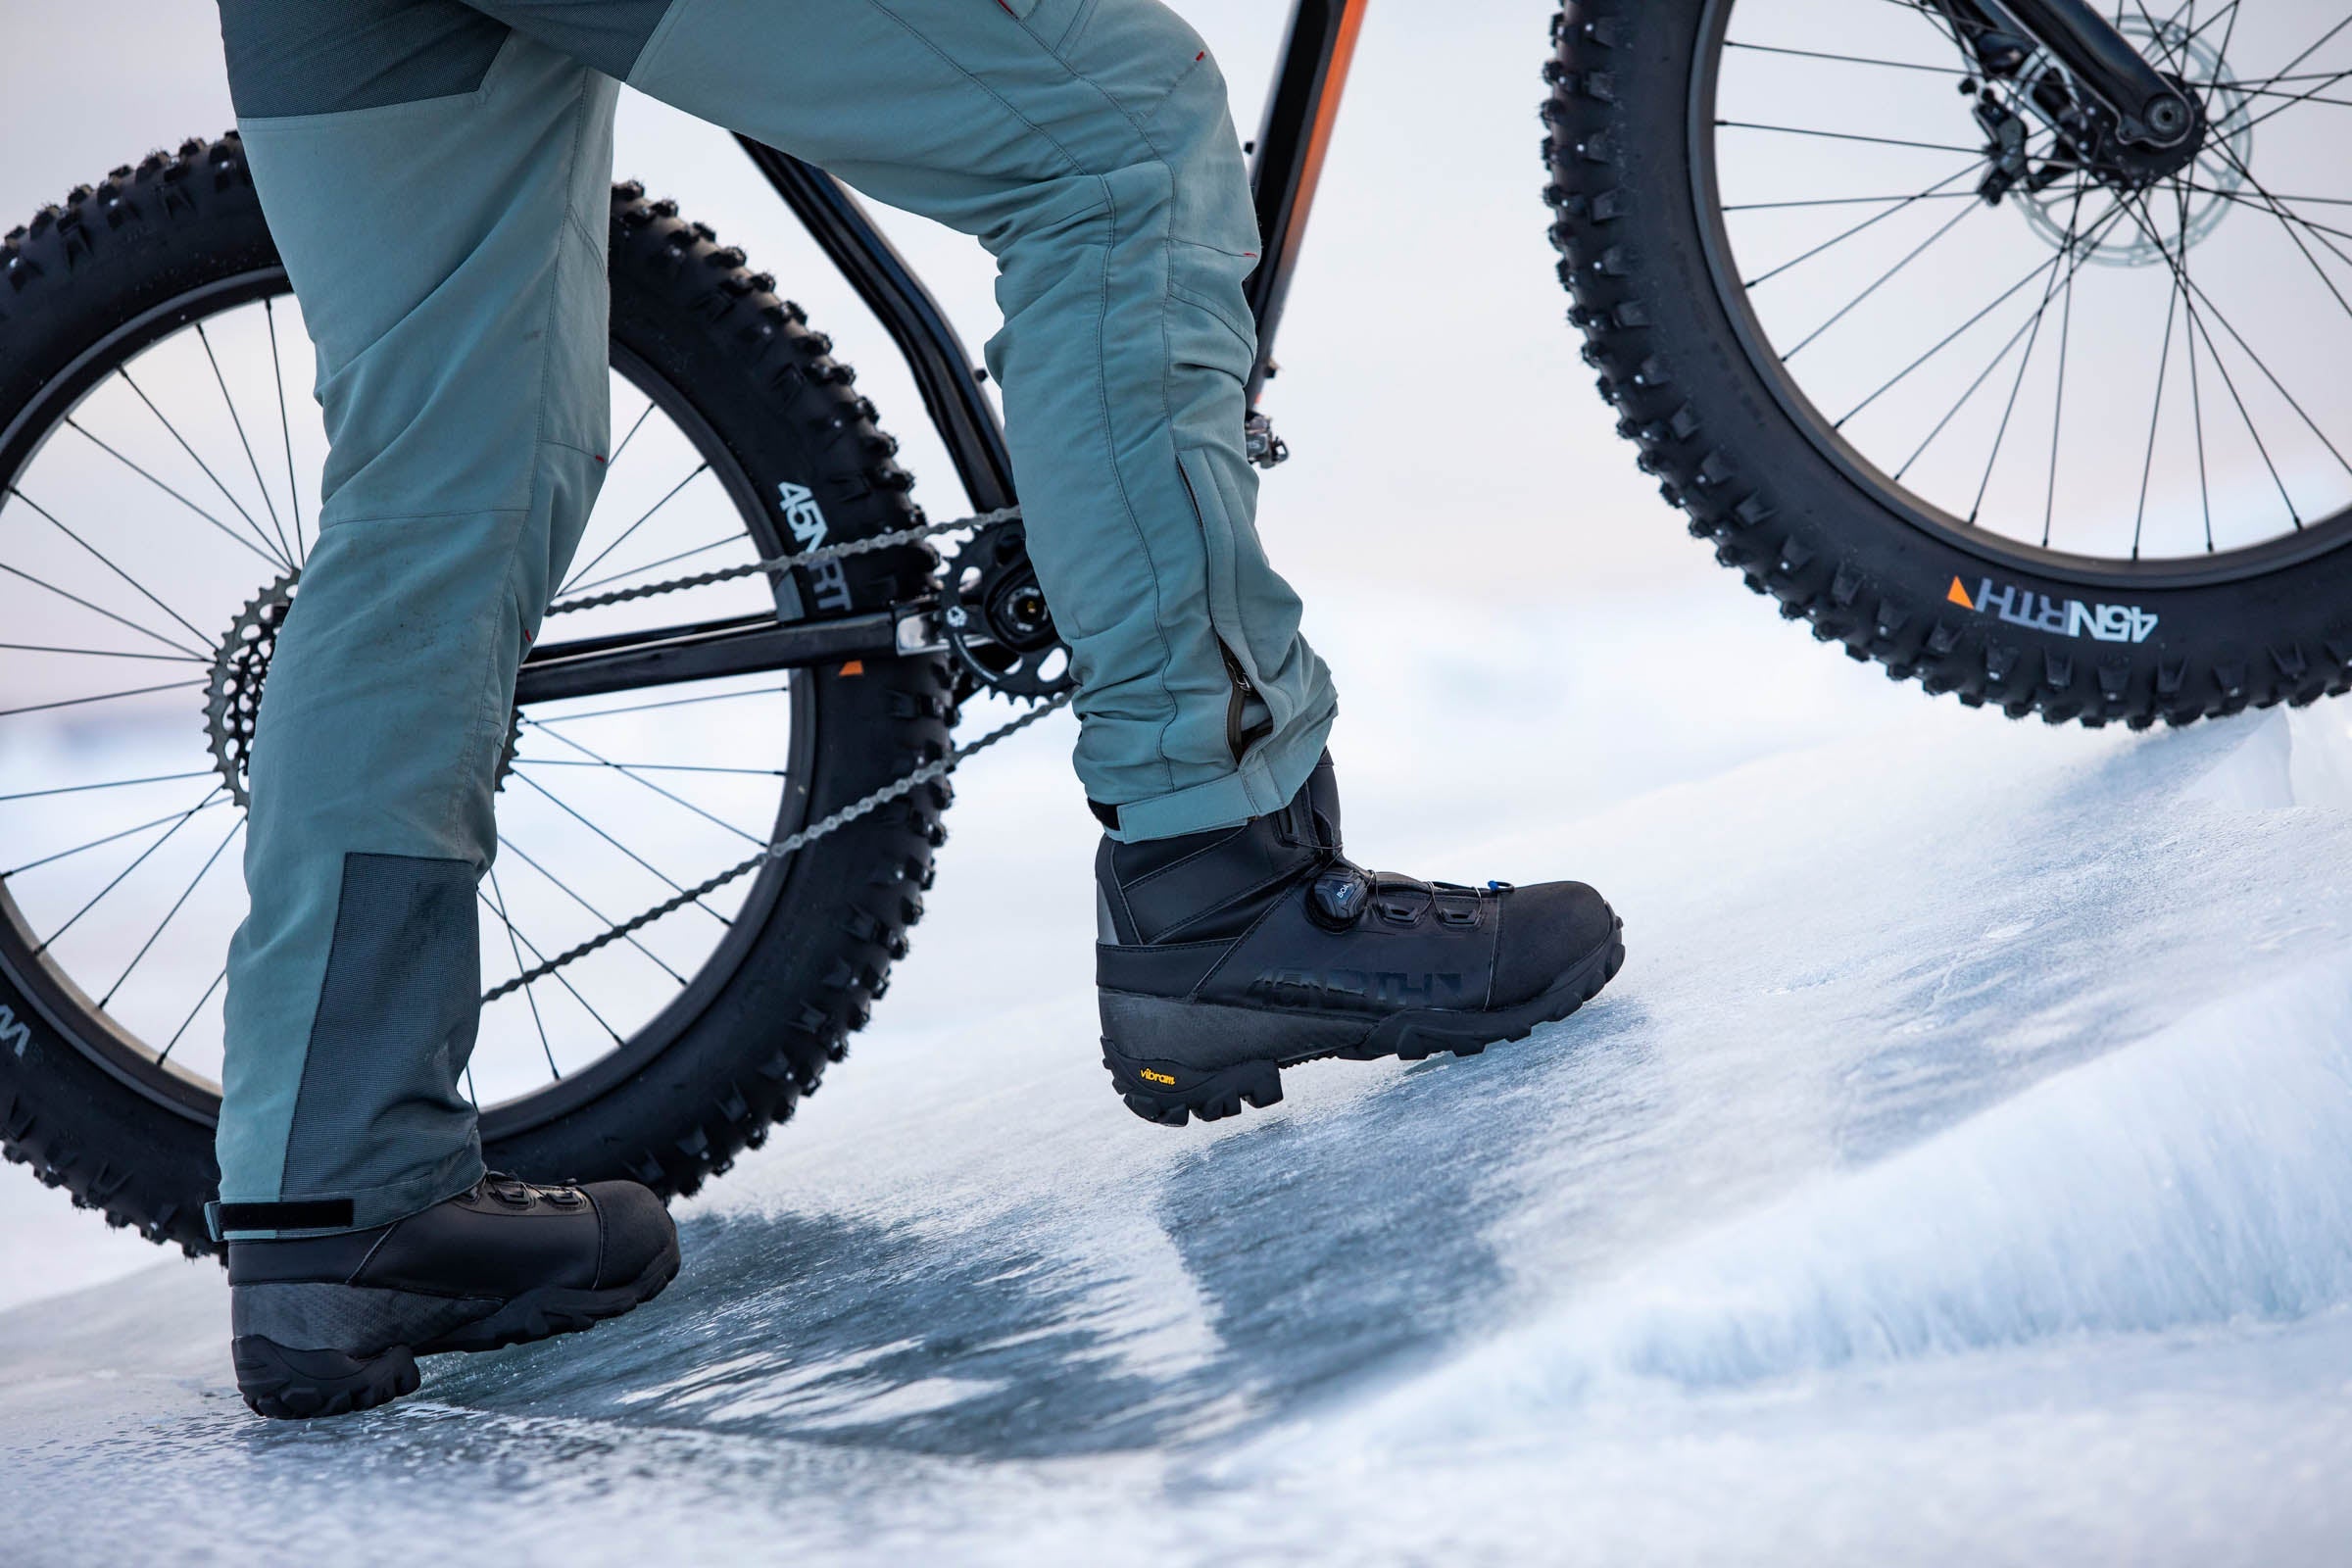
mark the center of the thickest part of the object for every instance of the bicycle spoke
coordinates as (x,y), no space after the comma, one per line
(642,768)
(734,538)
(1853,200)
(2276,109)
(2267,203)
(514,945)
(98,652)
(2229,382)
(49,860)
(173,913)
(165,838)
(260,552)
(2029,332)
(700,468)
(191,653)
(565,889)
(2164,363)
(2009,410)
(2310,97)
(650,784)
(2066,337)
(172,1044)
(285,428)
(2197,396)
(98,557)
(104,697)
(567,809)
(1901,204)
(2106,220)
(200,463)
(1883,279)
(2194,293)
(2317,230)
(539,958)
(1851,60)
(647,707)
(1847,135)
(632,436)
(2291,201)
(111,784)
(2307,53)
(229,402)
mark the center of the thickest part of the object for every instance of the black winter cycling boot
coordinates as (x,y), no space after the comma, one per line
(330,1324)
(1228,956)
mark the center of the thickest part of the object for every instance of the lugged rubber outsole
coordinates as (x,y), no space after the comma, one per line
(1172,1093)
(295,1385)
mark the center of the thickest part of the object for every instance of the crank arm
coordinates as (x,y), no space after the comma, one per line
(2149,109)
(748,645)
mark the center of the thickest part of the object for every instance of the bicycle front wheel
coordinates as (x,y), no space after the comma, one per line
(2017,411)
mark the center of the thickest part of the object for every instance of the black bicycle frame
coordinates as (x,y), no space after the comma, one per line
(1286,169)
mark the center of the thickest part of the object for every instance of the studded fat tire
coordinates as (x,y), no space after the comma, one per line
(769,386)
(1752,483)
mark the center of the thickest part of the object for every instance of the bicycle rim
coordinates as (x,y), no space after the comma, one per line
(2113,387)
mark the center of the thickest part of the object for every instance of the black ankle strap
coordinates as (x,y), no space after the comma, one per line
(315,1214)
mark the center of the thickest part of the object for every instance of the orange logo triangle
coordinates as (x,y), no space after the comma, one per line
(1959,596)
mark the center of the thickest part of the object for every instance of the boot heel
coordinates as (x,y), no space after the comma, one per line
(295,1385)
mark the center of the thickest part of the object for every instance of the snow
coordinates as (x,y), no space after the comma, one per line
(1958,1171)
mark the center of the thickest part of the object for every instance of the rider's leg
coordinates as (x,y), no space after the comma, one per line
(438,188)
(1087,144)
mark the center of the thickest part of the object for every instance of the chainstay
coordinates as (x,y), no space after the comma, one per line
(800,839)
(812,558)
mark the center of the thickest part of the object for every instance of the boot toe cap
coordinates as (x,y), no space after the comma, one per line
(638,1231)
(1547,930)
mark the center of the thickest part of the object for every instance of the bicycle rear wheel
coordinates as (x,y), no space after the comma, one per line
(157,497)
(2012,420)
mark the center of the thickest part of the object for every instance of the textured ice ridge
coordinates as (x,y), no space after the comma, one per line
(2201,1176)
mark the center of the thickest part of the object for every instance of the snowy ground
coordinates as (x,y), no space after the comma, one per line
(1960,1171)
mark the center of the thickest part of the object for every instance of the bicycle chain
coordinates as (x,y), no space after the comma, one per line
(865,806)
(813,558)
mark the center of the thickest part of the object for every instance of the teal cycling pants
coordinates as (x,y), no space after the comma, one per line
(435,173)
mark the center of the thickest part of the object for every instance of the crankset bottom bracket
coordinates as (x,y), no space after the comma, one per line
(995,621)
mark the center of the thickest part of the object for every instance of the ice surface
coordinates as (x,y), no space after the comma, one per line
(1959,1171)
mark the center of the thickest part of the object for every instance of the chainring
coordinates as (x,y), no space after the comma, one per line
(996,621)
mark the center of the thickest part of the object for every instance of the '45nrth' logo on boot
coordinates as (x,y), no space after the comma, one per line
(1343,988)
